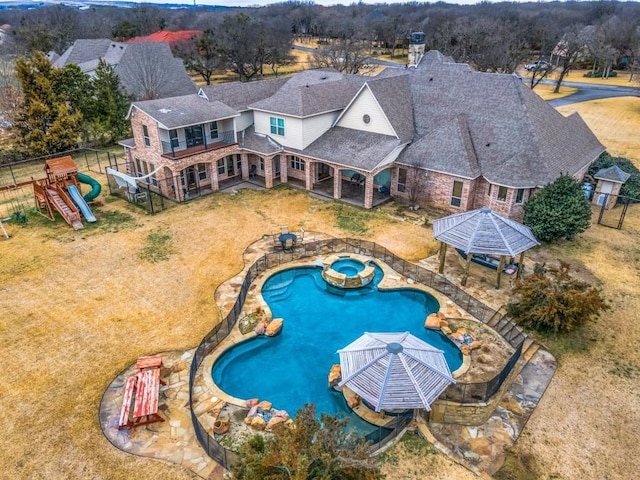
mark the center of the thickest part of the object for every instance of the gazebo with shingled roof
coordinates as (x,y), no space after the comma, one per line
(483,232)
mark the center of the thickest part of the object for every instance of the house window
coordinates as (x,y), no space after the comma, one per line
(173,136)
(502,194)
(277,125)
(489,190)
(213,130)
(145,135)
(297,163)
(520,195)
(456,194)
(202,171)
(221,167)
(194,136)
(262,164)
(239,163)
(402,180)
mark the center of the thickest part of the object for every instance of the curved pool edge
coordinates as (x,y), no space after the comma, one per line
(391,280)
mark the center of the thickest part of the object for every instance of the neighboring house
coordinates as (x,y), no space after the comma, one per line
(167,36)
(145,69)
(477,139)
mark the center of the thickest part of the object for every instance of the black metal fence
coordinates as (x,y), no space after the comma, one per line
(460,392)
(148,193)
(613,208)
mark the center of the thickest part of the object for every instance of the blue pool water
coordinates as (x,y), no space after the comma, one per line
(291,368)
(348,266)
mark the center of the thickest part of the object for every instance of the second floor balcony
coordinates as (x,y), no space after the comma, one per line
(192,145)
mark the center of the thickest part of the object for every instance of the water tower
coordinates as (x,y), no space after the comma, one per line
(416,48)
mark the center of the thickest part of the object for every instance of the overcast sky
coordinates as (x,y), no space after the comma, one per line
(245,3)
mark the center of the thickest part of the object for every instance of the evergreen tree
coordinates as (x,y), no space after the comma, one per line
(559,210)
(48,120)
(109,107)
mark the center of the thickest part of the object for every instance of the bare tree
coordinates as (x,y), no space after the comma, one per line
(568,50)
(201,54)
(347,55)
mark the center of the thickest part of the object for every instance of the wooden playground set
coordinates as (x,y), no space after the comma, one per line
(60,191)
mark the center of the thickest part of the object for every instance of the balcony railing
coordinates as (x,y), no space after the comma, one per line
(179,149)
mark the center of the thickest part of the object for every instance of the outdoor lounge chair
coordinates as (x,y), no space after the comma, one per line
(284,229)
(288,245)
(300,238)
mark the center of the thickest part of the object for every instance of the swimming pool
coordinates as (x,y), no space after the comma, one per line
(291,369)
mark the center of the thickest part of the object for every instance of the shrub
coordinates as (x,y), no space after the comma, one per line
(554,301)
(559,210)
(313,449)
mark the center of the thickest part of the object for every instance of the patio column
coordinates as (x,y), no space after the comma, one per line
(520,266)
(244,166)
(213,175)
(284,165)
(308,175)
(500,267)
(177,188)
(465,275)
(443,256)
(368,192)
(268,172)
(337,184)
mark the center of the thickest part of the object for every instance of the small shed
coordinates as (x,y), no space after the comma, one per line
(483,232)
(610,181)
(394,371)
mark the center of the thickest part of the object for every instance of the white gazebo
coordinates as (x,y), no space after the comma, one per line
(483,232)
(394,371)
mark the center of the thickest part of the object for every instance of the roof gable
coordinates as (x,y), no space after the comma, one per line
(365,113)
(311,92)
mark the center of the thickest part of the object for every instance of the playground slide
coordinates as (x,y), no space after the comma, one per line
(81,203)
(95,186)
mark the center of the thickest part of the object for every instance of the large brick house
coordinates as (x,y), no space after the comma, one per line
(475,139)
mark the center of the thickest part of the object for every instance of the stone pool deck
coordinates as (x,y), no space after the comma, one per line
(479,448)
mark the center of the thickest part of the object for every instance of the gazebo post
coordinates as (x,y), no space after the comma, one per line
(500,267)
(443,256)
(463,282)
(520,266)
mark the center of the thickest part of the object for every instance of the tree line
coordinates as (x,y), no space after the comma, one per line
(491,37)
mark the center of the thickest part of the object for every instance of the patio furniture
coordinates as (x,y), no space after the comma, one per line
(253,171)
(149,361)
(300,238)
(145,387)
(284,229)
(357,180)
(288,241)
(288,245)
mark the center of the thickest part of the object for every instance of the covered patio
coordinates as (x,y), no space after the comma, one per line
(486,236)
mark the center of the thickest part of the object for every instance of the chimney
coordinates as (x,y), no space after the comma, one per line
(416,48)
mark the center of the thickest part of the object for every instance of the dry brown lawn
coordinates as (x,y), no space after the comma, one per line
(78,307)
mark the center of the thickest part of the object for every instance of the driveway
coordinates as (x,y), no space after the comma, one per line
(589,91)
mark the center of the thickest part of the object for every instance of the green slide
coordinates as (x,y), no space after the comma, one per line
(95,186)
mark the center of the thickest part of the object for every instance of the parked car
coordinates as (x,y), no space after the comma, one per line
(539,65)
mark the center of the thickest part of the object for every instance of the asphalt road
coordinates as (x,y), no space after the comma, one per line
(375,61)
(589,91)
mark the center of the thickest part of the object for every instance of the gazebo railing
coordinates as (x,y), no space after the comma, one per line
(460,392)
